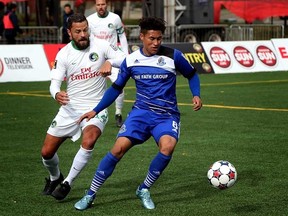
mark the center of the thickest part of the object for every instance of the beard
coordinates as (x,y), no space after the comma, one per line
(82,44)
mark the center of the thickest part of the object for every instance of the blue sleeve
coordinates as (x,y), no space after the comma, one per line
(182,65)
(109,97)
(194,84)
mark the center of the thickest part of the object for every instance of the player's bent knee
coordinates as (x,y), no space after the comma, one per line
(167,149)
(46,154)
(88,144)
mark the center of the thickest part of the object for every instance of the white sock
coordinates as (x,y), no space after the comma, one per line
(80,160)
(52,166)
(119,103)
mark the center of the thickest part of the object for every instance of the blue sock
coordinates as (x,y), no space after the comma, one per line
(156,168)
(104,170)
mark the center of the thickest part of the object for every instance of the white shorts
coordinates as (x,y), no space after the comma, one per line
(114,74)
(65,125)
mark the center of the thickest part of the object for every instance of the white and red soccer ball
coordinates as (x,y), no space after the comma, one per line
(222,174)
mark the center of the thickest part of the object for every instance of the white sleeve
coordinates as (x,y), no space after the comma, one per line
(123,43)
(58,71)
(114,55)
(121,34)
(55,87)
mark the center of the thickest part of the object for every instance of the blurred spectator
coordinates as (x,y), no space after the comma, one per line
(67,13)
(11,27)
(80,6)
(2,6)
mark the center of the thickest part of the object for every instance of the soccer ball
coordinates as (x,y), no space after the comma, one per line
(222,174)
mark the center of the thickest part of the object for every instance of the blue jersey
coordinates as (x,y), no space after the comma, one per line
(155,78)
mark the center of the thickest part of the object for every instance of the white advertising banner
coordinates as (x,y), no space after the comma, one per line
(242,56)
(281,47)
(23,63)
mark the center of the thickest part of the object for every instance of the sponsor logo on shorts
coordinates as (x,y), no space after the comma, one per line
(123,129)
(53,124)
(103,118)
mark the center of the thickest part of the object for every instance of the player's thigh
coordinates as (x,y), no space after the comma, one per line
(93,129)
(90,135)
(136,127)
(166,126)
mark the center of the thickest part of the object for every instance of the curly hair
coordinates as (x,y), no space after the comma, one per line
(152,23)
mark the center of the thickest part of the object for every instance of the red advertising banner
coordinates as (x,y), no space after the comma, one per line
(51,51)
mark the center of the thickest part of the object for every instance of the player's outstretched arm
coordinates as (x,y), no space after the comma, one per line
(109,97)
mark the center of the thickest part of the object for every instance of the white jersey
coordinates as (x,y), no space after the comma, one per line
(106,28)
(85,86)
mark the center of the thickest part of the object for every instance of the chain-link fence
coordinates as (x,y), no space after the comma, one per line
(37,35)
(198,33)
(173,34)
(253,32)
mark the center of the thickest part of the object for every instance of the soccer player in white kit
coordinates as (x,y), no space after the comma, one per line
(108,26)
(84,63)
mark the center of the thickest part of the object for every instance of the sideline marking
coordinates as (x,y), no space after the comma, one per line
(25,94)
(180,104)
(229,107)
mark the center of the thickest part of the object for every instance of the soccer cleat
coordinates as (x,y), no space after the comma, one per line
(144,196)
(51,185)
(62,191)
(118,119)
(84,203)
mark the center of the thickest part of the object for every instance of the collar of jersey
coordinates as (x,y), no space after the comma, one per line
(74,46)
(105,15)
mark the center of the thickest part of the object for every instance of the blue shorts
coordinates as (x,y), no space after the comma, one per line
(140,125)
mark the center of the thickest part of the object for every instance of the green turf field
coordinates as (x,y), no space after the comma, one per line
(244,120)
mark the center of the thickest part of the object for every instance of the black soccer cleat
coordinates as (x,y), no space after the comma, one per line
(62,191)
(118,119)
(51,185)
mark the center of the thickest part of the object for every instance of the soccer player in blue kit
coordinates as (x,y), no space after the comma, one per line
(154,113)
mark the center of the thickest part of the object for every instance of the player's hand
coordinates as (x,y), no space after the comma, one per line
(62,97)
(197,103)
(87,116)
(105,69)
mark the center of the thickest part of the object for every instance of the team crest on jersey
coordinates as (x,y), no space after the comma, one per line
(110,25)
(93,57)
(161,61)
